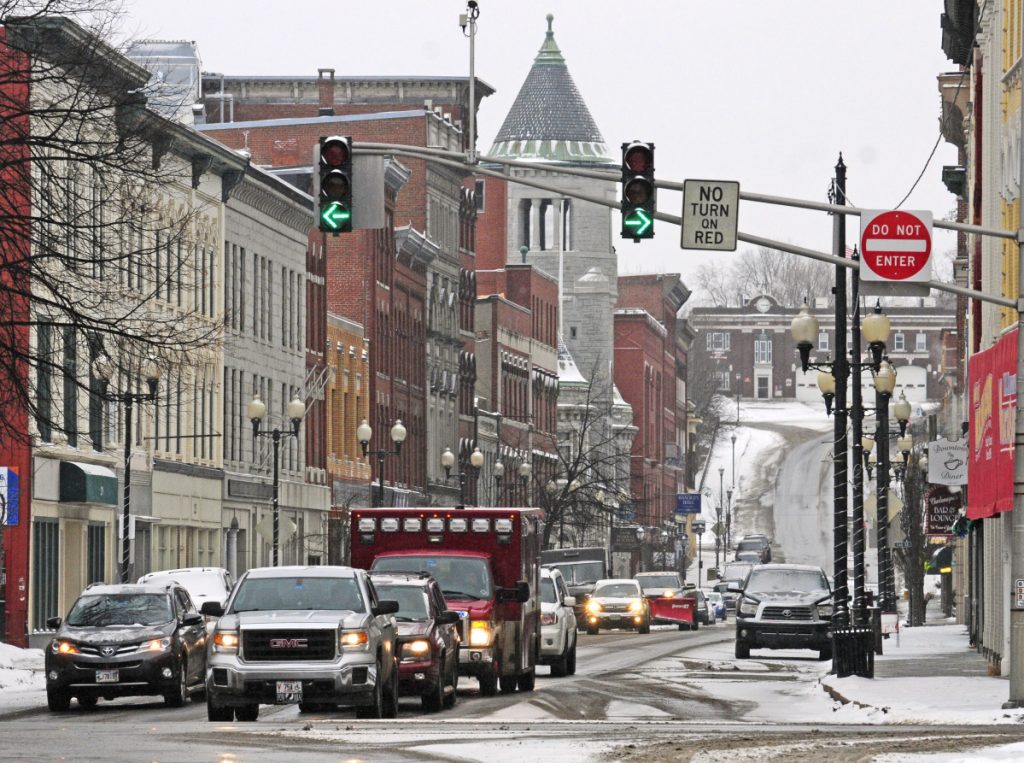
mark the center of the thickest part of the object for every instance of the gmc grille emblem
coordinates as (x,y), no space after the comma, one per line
(289,643)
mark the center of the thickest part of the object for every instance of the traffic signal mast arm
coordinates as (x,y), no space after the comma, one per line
(456,160)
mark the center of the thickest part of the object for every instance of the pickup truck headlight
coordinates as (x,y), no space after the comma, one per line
(548,618)
(825,611)
(593,606)
(480,633)
(747,607)
(415,650)
(354,641)
(225,641)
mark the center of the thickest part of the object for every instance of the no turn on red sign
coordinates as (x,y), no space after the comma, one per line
(895,246)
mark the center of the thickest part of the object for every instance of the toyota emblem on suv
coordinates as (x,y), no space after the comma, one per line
(107,651)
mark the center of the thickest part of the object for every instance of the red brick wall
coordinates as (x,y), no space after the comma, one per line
(491,225)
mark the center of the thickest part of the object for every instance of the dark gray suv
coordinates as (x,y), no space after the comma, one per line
(784,606)
(123,640)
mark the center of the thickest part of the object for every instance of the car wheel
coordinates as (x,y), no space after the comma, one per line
(311,707)
(179,696)
(527,680)
(391,693)
(88,701)
(696,623)
(561,666)
(433,700)
(684,627)
(247,713)
(645,627)
(376,709)
(58,701)
(570,663)
(218,714)
(742,650)
(508,684)
(489,682)
(453,682)
(593,630)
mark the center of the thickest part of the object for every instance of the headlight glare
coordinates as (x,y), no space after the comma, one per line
(593,606)
(417,648)
(63,647)
(479,633)
(636,605)
(225,641)
(156,645)
(354,639)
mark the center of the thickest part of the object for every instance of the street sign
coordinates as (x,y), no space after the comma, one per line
(710,213)
(895,248)
(947,462)
(698,527)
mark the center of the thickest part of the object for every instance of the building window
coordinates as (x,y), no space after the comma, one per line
(44,385)
(718,341)
(722,380)
(823,345)
(96,554)
(899,342)
(45,561)
(763,349)
(71,385)
(921,342)
(479,195)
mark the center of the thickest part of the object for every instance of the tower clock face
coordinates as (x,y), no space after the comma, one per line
(763,305)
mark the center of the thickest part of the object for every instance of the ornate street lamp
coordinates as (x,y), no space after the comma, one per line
(364,433)
(499,473)
(476,460)
(257,410)
(804,328)
(525,471)
(901,410)
(875,329)
(827,387)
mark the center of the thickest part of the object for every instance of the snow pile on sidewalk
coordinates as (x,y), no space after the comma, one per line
(22,682)
(935,698)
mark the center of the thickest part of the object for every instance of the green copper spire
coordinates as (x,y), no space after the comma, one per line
(549,52)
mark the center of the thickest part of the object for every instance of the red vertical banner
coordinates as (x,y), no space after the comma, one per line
(993,406)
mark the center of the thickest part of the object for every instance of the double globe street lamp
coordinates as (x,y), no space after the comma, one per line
(476,460)
(364,433)
(103,370)
(257,411)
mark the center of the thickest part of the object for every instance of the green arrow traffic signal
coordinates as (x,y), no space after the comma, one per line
(639,221)
(334,215)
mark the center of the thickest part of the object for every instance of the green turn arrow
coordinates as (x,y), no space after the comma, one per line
(639,220)
(335,215)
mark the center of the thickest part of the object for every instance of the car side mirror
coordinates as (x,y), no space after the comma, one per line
(192,618)
(569,601)
(520,593)
(212,609)
(53,623)
(386,607)
(448,617)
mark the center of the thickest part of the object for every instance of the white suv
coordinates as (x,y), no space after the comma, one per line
(202,583)
(557,624)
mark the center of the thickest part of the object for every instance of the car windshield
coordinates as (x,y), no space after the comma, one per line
(297,593)
(547,591)
(616,591)
(784,581)
(113,609)
(658,581)
(736,571)
(749,545)
(460,577)
(580,573)
(715,597)
(412,601)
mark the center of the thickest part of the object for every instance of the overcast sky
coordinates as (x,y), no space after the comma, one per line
(765,93)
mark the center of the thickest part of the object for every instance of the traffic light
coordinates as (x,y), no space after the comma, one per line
(335,196)
(638,192)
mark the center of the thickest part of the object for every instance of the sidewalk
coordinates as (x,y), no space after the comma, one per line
(928,674)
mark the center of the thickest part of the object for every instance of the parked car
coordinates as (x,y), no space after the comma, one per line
(731,578)
(717,602)
(428,638)
(753,557)
(618,603)
(557,624)
(316,636)
(125,640)
(784,606)
(759,544)
(202,583)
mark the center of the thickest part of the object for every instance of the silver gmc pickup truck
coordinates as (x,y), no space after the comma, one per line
(316,636)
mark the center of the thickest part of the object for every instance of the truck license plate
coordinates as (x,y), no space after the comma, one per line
(289,692)
(106,676)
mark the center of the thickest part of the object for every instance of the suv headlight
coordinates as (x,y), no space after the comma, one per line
(825,611)
(225,641)
(480,633)
(593,606)
(747,607)
(548,618)
(416,650)
(60,646)
(156,645)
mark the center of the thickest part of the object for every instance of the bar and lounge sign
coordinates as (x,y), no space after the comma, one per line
(942,507)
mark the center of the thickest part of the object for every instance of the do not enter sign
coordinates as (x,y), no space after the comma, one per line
(895,246)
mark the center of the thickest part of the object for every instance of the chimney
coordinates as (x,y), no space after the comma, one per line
(325,82)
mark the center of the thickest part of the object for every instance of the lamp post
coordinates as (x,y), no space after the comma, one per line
(499,473)
(885,383)
(698,527)
(103,370)
(525,470)
(398,434)
(476,460)
(728,520)
(257,410)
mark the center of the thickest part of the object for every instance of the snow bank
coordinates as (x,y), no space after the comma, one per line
(22,683)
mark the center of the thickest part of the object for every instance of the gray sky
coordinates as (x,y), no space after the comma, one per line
(766,93)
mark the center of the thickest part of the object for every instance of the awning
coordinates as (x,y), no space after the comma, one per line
(87,483)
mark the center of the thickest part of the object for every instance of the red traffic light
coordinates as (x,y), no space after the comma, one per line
(334,153)
(639,158)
